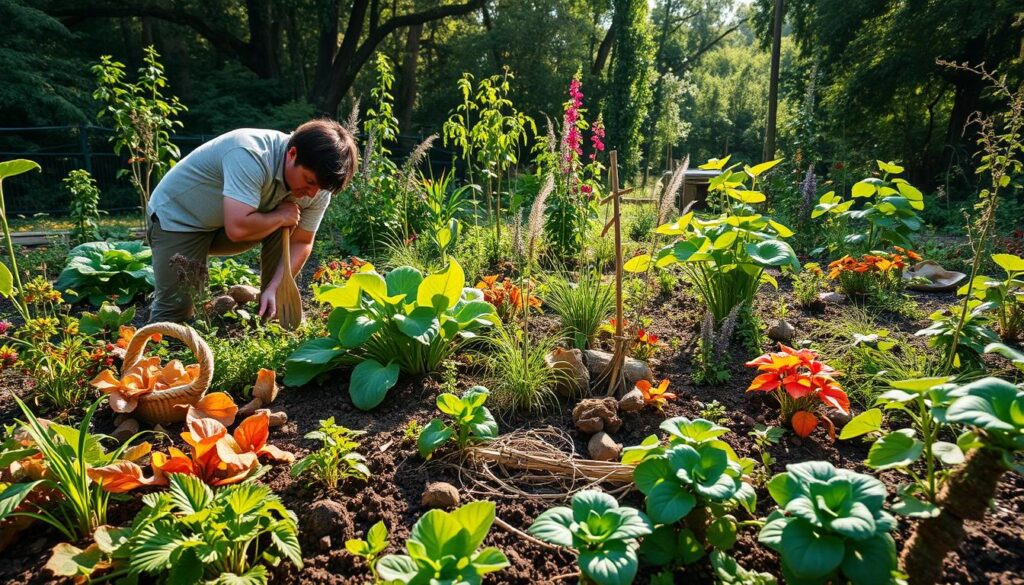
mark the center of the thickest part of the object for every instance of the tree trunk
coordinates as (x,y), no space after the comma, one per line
(603,51)
(262,38)
(406,101)
(296,64)
(326,47)
(965,496)
(773,84)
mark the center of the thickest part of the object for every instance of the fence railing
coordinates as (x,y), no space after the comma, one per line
(61,149)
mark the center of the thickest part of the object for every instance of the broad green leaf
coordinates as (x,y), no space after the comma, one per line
(668,502)
(476,518)
(553,526)
(783,231)
(11,168)
(443,289)
(870,561)
(863,189)
(1009,262)
(370,283)
(6,281)
(377,537)
(869,421)
(677,227)
(310,359)
(745,196)
(404,281)
(370,383)
(773,253)
(948,453)
(725,240)
(435,434)
(716,164)
(450,404)
(14,494)
(67,560)
(889,167)
(759,169)
(920,385)
(489,560)
(435,530)
(809,555)
(897,449)
(638,264)
(722,532)
(396,568)
(421,324)
(615,564)
(356,329)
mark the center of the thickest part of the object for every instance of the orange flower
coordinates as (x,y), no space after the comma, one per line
(656,395)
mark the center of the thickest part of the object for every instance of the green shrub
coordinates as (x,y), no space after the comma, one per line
(336,459)
(84,206)
(238,359)
(404,323)
(96,271)
(223,274)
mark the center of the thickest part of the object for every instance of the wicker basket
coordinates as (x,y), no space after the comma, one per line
(162,406)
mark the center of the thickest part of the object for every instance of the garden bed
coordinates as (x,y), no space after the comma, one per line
(991,552)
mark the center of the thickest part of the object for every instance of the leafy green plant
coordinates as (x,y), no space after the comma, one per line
(830,526)
(582,305)
(191,534)
(963,337)
(764,438)
(993,411)
(471,422)
(142,117)
(370,549)
(604,533)
(67,454)
(443,547)
(692,485)
(404,323)
(223,274)
(336,459)
(239,358)
(890,208)
(807,285)
(725,256)
(1006,296)
(107,270)
(903,449)
(729,572)
(444,204)
(84,206)
(10,277)
(107,321)
(517,371)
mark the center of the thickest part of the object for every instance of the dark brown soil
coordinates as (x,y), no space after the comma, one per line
(992,552)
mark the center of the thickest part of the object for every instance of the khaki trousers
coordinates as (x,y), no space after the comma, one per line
(173,303)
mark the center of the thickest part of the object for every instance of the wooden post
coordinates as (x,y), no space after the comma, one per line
(619,354)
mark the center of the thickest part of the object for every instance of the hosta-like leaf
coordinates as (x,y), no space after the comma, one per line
(810,555)
(669,502)
(869,421)
(897,449)
(615,564)
(421,324)
(773,253)
(370,383)
(870,561)
(433,436)
(553,526)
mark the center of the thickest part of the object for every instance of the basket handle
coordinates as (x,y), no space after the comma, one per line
(183,333)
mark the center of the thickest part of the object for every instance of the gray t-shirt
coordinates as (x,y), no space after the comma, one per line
(246,165)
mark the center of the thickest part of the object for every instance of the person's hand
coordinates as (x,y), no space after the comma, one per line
(268,301)
(288,214)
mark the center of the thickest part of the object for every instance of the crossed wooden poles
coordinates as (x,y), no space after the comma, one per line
(614,369)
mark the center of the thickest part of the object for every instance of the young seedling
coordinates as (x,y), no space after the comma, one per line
(471,422)
(336,459)
(764,437)
(370,549)
(604,533)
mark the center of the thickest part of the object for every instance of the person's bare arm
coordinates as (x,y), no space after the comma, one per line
(301,245)
(245,223)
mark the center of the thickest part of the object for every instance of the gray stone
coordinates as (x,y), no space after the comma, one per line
(440,495)
(573,376)
(782,331)
(633,369)
(633,401)
(832,298)
(603,448)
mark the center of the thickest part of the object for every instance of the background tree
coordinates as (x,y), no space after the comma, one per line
(629,90)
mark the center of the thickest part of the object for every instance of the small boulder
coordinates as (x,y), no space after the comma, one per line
(573,377)
(277,419)
(440,495)
(223,304)
(250,408)
(326,517)
(633,401)
(603,448)
(126,430)
(832,298)
(243,293)
(782,331)
(597,414)
(633,369)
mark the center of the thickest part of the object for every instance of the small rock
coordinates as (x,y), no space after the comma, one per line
(125,430)
(325,517)
(158,428)
(603,448)
(832,298)
(839,419)
(120,418)
(597,414)
(325,543)
(633,369)
(782,331)
(277,419)
(633,401)
(761,419)
(224,304)
(243,293)
(574,377)
(440,495)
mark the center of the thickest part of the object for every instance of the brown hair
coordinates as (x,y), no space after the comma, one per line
(326,148)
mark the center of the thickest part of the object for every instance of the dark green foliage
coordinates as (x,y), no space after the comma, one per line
(629,91)
(84,206)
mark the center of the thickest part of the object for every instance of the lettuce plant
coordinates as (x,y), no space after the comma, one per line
(725,256)
(403,323)
(993,409)
(443,549)
(830,526)
(471,421)
(118,271)
(604,533)
(692,485)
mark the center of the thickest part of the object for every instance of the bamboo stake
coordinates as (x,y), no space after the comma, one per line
(618,356)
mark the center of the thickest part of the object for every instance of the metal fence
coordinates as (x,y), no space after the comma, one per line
(61,149)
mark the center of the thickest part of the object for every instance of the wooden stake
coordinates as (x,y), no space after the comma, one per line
(619,354)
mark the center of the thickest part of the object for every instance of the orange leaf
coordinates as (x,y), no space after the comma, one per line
(765,382)
(265,387)
(216,405)
(106,381)
(803,423)
(252,433)
(121,477)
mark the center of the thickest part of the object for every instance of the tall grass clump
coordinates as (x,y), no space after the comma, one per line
(517,374)
(582,305)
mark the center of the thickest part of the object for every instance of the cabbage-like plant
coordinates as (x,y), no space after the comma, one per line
(830,526)
(993,409)
(107,270)
(725,256)
(443,549)
(604,533)
(383,326)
